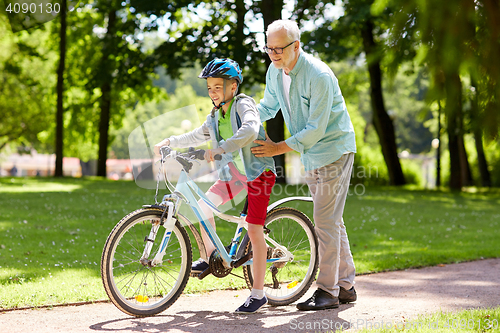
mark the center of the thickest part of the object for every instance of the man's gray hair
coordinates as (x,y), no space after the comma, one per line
(291,28)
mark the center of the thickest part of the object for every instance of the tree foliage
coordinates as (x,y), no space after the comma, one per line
(26,93)
(453,39)
(359,32)
(108,71)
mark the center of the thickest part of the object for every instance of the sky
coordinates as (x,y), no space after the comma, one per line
(254,23)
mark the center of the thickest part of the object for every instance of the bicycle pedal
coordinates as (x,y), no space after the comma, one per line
(203,274)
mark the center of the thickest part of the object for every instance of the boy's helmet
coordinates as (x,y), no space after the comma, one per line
(222,68)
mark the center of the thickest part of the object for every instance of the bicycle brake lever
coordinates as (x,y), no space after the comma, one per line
(200,154)
(187,165)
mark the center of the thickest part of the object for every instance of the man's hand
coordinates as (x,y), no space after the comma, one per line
(157,147)
(270,148)
(210,153)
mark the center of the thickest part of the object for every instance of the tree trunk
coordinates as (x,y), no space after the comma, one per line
(238,40)
(438,150)
(478,138)
(453,111)
(60,94)
(381,120)
(105,102)
(464,161)
(271,11)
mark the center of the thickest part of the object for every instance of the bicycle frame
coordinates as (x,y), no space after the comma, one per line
(185,190)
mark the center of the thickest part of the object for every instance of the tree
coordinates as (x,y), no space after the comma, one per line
(225,33)
(25,90)
(271,11)
(475,115)
(60,92)
(357,32)
(109,70)
(442,36)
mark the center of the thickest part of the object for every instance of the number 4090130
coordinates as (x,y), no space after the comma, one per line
(471,323)
(33,8)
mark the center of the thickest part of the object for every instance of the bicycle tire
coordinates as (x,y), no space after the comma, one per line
(140,290)
(295,231)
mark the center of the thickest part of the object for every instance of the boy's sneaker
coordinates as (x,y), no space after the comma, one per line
(199,266)
(252,304)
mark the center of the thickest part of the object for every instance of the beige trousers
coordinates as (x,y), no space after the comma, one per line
(329,186)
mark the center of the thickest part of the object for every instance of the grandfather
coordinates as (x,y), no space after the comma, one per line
(308,94)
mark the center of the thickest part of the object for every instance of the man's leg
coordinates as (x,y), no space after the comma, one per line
(329,186)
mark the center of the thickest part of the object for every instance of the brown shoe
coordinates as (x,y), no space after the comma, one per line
(347,296)
(320,300)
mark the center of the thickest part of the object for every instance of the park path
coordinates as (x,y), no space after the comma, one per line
(390,297)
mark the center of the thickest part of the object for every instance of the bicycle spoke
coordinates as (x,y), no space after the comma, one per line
(287,281)
(139,289)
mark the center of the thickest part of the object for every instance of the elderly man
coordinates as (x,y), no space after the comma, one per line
(308,94)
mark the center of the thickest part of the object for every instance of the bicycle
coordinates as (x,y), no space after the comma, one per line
(143,276)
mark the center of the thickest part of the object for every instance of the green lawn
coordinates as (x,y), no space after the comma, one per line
(477,320)
(52,232)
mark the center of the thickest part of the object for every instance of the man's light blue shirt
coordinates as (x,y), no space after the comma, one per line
(317,118)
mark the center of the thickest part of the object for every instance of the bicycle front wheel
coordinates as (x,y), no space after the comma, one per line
(140,289)
(285,282)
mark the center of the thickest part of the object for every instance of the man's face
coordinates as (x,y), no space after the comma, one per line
(279,38)
(215,86)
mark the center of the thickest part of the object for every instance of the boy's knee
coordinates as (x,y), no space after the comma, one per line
(254,229)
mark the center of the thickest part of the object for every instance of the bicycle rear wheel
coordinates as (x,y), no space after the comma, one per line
(286,282)
(142,290)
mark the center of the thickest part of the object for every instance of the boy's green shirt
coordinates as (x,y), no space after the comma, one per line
(225,132)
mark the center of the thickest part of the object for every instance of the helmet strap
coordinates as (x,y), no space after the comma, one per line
(224,102)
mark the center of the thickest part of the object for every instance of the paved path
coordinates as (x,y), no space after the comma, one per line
(382,298)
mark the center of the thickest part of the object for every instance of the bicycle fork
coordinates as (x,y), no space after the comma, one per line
(169,227)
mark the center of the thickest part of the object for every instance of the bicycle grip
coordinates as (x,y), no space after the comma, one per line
(199,154)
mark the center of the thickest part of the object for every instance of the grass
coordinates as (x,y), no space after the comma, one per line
(479,320)
(52,232)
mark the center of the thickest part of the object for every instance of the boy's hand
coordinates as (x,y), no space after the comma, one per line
(210,153)
(157,147)
(269,148)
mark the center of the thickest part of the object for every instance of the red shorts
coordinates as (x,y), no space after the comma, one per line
(259,192)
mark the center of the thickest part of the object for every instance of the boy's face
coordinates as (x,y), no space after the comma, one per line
(215,86)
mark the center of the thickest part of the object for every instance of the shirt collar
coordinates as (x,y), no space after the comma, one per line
(298,65)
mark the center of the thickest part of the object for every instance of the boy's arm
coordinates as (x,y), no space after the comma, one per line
(194,138)
(250,125)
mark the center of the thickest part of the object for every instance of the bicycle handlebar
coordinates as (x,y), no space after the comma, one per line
(183,159)
(200,154)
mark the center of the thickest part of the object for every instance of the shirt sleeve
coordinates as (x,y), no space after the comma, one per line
(322,97)
(249,129)
(269,105)
(194,138)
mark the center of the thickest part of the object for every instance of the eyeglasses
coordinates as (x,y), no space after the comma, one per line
(277,50)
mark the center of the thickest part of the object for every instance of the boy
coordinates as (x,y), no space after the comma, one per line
(232,126)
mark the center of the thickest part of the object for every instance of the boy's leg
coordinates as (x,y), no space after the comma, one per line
(217,201)
(219,193)
(259,192)
(259,248)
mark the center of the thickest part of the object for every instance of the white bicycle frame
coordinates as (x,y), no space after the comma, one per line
(184,191)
